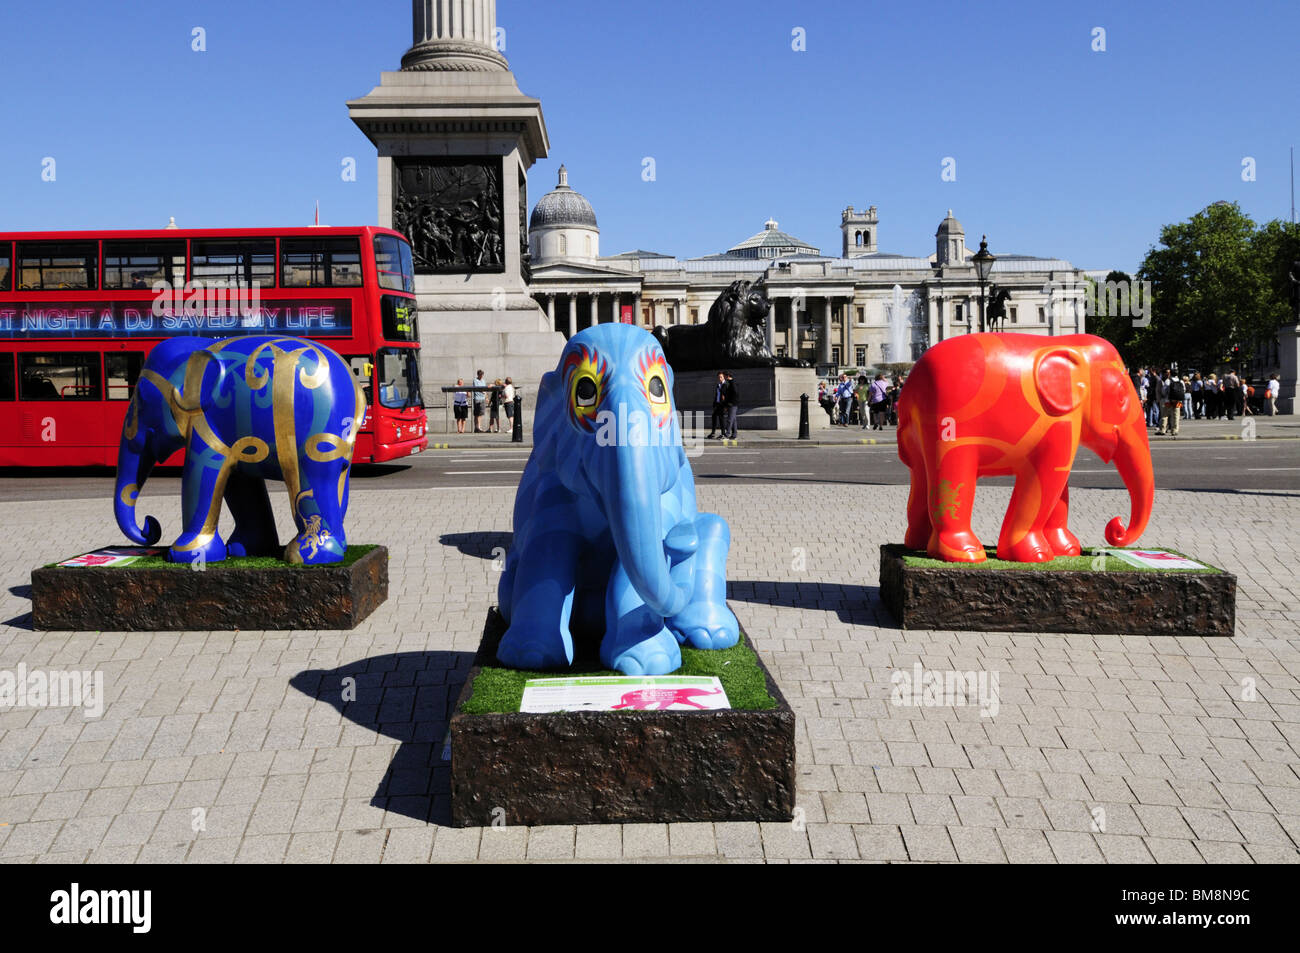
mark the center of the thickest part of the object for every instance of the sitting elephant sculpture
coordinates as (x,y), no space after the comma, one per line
(1020,404)
(244,409)
(608,542)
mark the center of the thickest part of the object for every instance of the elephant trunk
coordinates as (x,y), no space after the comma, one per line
(1133,461)
(631,484)
(133,469)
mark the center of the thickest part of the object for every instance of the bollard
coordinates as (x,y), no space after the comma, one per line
(517,435)
(803,417)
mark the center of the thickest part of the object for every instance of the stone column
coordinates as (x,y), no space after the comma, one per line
(573,314)
(454,35)
(932,318)
(792,346)
(595,312)
(826,331)
(550,311)
(769,324)
(636,308)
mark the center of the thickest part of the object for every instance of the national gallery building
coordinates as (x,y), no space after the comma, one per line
(859,308)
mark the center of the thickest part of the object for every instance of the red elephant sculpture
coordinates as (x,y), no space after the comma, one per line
(1017,404)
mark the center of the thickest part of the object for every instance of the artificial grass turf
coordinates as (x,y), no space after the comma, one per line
(501,690)
(352,554)
(917,560)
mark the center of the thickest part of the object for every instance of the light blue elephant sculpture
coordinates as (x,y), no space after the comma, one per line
(608,543)
(245,409)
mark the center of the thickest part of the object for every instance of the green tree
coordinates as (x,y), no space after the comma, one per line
(1277,246)
(1211,290)
(1111,314)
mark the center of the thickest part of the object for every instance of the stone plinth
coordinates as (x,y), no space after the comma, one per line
(1057,600)
(769,397)
(593,767)
(179,598)
(1288,340)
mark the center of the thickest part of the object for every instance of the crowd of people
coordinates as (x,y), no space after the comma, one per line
(862,402)
(1168,397)
(490,397)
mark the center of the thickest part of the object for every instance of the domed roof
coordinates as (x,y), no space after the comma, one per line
(950,226)
(562,206)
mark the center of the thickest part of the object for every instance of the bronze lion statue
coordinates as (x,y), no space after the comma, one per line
(733,336)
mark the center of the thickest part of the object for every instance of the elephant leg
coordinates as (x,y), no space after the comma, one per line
(706,622)
(919,528)
(950,495)
(1037,493)
(318,513)
(541,599)
(636,640)
(1059,537)
(203,482)
(254,533)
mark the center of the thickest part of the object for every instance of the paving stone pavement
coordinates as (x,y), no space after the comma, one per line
(220,747)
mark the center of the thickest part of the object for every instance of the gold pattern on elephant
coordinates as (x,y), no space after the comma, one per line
(312,536)
(949,500)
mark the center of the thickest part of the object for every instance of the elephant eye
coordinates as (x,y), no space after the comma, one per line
(586,392)
(656,388)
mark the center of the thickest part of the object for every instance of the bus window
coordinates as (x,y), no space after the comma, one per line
(6,265)
(399,377)
(68,376)
(7,389)
(398,318)
(363,370)
(393,263)
(140,264)
(234,260)
(320,262)
(51,266)
(122,370)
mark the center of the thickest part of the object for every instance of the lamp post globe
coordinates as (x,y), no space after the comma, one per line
(983,261)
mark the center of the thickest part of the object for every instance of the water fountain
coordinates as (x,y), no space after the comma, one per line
(902,314)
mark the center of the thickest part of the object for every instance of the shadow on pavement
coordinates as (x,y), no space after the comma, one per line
(369,471)
(23,621)
(407,696)
(490,545)
(853,604)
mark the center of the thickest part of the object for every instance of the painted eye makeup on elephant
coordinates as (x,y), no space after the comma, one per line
(245,410)
(609,545)
(1019,404)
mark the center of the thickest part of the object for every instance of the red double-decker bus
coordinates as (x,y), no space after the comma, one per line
(80,311)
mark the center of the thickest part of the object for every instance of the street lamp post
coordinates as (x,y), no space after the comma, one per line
(983,261)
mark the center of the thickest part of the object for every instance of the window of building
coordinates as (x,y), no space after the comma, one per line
(67,376)
(7,389)
(122,370)
(234,260)
(957,315)
(857,239)
(140,264)
(835,353)
(645,316)
(780,350)
(320,262)
(564,244)
(860,355)
(6,265)
(866,238)
(862,315)
(1014,314)
(1042,315)
(695,315)
(588,246)
(53,266)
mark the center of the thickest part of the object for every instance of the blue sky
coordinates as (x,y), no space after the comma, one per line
(1059,150)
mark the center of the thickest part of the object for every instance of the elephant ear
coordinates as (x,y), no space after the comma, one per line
(192,396)
(1057,380)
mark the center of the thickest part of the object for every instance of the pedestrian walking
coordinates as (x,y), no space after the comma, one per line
(731,394)
(861,396)
(1198,396)
(1271,395)
(719,421)
(494,407)
(460,405)
(1231,395)
(1173,405)
(480,398)
(844,397)
(508,398)
(876,401)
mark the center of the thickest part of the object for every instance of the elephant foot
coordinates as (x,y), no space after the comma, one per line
(1063,542)
(214,551)
(640,644)
(706,625)
(250,545)
(315,546)
(956,546)
(1031,548)
(918,539)
(535,649)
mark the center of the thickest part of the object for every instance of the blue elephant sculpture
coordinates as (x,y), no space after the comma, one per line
(608,542)
(245,409)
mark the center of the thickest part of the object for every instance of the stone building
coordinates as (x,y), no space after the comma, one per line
(861,308)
